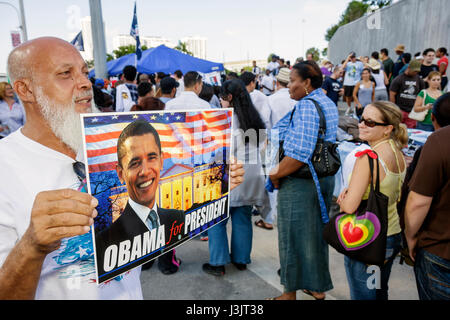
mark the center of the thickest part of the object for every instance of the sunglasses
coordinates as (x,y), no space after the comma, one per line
(80,171)
(371,123)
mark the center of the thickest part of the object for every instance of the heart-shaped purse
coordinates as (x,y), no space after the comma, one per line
(362,235)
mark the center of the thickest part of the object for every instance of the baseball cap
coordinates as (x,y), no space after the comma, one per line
(415,65)
(168,83)
(100,83)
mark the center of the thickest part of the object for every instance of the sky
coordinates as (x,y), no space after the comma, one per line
(235,29)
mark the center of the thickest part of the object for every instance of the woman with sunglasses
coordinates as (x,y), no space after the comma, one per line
(247,127)
(381,127)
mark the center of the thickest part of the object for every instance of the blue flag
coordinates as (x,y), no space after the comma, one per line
(135,34)
(78,42)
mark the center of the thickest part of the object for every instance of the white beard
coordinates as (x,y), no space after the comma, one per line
(64,120)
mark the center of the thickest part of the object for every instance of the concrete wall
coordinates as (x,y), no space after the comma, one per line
(418,24)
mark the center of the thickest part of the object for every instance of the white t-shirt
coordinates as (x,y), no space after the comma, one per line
(353,73)
(273,65)
(26,169)
(180,88)
(187,100)
(269,83)
(280,104)
(261,103)
(124,101)
(379,80)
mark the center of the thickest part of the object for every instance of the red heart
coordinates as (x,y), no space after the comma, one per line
(352,234)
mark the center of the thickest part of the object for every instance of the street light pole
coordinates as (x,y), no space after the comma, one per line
(21,18)
(98,39)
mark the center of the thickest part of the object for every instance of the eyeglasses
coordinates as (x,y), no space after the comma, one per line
(371,123)
(80,171)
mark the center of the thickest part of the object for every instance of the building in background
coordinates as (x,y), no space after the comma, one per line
(149,42)
(196,45)
(237,66)
(88,53)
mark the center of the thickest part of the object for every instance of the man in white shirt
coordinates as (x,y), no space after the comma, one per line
(268,83)
(126,93)
(259,100)
(188,99)
(273,65)
(46,249)
(280,104)
(256,70)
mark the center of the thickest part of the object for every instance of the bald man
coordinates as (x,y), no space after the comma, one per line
(46,249)
(45,242)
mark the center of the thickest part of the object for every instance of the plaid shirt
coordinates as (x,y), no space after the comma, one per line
(133,91)
(300,135)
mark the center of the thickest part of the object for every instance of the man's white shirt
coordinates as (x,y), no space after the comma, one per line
(269,83)
(27,169)
(261,103)
(124,102)
(187,100)
(280,103)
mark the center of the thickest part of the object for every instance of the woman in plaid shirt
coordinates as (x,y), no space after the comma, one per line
(303,204)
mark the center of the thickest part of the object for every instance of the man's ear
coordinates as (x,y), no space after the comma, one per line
(24,91)
(119,171)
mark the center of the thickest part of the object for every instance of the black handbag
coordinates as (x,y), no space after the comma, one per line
(362,235)
(325,158)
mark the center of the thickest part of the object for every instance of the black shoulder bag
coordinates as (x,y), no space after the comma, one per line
(325,158)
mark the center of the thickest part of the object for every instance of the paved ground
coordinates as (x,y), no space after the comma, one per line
(260,280)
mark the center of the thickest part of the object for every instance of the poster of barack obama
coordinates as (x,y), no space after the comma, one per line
(161,179)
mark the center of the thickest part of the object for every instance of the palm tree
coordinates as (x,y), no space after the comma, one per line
(182,46)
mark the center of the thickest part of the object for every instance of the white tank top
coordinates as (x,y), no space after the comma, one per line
(379,80)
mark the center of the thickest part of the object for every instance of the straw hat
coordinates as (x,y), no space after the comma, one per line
(400,47)
(374,64)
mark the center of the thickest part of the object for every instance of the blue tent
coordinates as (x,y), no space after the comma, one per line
(161,59)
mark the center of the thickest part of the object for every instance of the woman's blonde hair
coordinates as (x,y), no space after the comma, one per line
(391,114)
(3,89)
(434,74)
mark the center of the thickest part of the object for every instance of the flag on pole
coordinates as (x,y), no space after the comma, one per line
(135,34)
(78,42)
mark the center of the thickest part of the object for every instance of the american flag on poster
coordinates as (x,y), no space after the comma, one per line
(192,138)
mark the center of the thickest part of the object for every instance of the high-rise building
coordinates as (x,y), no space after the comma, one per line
(149,42)
(88,53)
(196,45)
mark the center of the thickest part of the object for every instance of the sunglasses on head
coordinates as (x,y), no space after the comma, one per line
(371,123)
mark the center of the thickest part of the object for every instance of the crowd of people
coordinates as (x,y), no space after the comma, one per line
(281,99)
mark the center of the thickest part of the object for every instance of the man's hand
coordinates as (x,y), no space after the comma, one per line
(236,173)
(412,242)
(57,215)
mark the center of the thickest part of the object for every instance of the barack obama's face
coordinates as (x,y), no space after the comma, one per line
(140,168)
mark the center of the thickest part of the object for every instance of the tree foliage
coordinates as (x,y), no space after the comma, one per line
(377,4)
(124,50)
(354,10)
(315,53)
(182,46)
